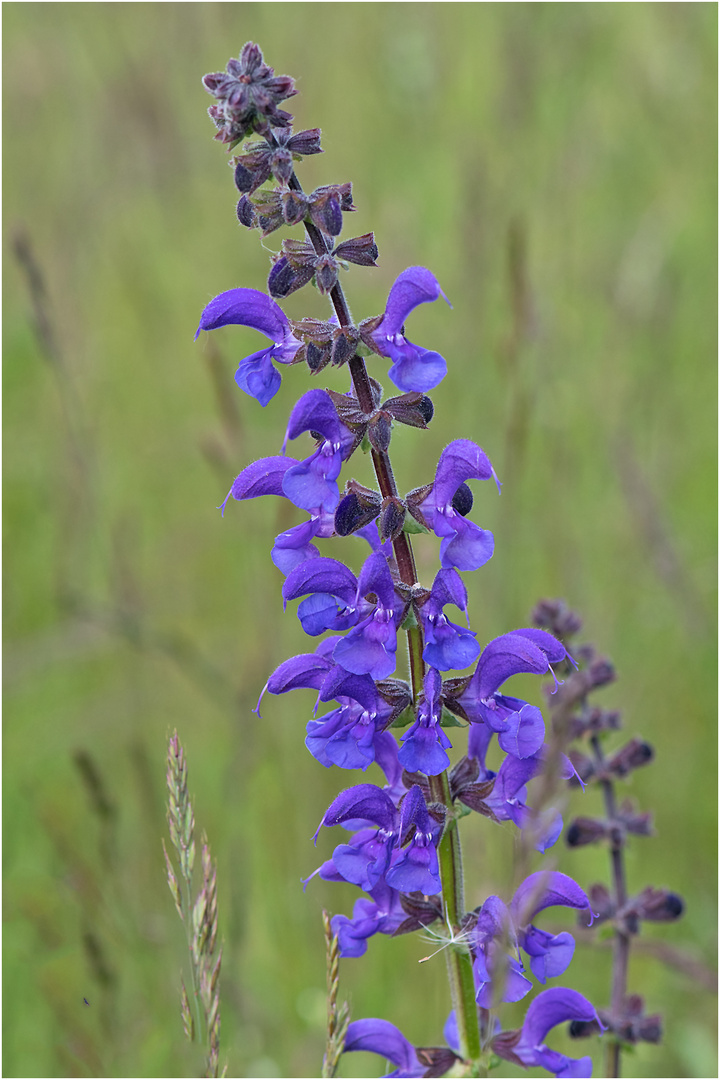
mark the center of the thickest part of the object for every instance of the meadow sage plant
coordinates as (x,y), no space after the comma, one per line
(403,849)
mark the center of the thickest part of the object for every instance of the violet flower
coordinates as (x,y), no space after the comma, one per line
(310,484)
(381,913)
(337,600)
(520,727)
(501,930)
(425,743)
(413,368)
(249,307)
(546,1011)
(447,645)
(508,798)
(381,850)
(294,546)
(464,544)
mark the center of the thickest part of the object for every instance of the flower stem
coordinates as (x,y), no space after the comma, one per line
(621,940)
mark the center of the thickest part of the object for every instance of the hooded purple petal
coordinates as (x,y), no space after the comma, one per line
(546,888)
(460,461)
(412,287)
(246,307)
(321,576)
(546,1011)
(314,412)
(364,802)
(263,477)
(383,1038)
(507,655)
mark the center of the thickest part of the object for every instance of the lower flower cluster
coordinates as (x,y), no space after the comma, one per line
(524,1046)
(391,852)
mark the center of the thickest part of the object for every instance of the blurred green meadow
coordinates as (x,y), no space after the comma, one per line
(555,166)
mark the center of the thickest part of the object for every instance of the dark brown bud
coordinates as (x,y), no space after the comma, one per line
(650,1029)
(585,830)
(361,250)
(413,501)
(594,721)
(294,207)
(640,824)
(251,170)
(413,409)
(355,510)
(632,756)
(465,772)
(344,345)
(269,209)
(438,1060)
(326,274)
(317,356)
(305,142)
(366,328)
(325,211)
(411,779)
(379,432)
(556,616)
(658,905)
(396,692)
(246,213)
(281,165)
(601,672)
(392,517)
(421,911)
(285,278)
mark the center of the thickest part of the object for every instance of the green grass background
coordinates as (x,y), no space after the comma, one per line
(555,166)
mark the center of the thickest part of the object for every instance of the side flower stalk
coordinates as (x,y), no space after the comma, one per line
(575,718)
(403,849)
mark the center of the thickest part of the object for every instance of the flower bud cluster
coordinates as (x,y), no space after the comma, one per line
(399,831)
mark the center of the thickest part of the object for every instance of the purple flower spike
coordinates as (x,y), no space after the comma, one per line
(413,367)
(546,1011)
(249,307)
(464,544)
(383,1038)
